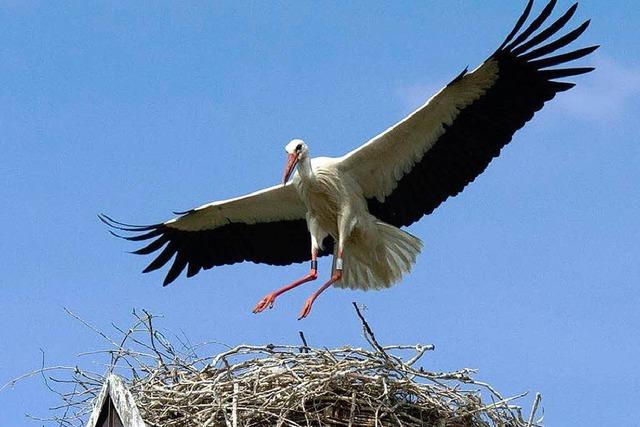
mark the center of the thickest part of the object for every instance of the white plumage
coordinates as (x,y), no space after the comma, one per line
(375,254)
(353,206)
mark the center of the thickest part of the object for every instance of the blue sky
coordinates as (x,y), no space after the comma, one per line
(530,275)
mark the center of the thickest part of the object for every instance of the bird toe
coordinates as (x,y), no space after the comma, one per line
(266,302)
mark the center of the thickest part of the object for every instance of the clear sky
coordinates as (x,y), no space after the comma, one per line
(531,275)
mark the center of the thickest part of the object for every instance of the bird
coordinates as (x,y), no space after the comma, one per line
(353,207)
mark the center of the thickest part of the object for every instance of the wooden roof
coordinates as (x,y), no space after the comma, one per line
(115,406)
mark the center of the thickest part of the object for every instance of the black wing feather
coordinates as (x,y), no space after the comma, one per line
(275,243)
(565,72)
(167,253)
(519,24)
(153,246)
(565,57)
(537,23)
(482,128)
(558,44)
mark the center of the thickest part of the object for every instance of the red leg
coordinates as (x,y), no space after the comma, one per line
(337,275)
(269,300)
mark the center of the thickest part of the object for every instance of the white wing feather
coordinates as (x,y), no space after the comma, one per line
(379,164)
(277,203)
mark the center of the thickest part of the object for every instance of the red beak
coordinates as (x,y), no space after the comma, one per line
(292,161)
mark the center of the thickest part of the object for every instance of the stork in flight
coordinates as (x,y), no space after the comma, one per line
(352,206)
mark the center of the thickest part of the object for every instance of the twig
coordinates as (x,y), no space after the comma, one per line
(369,333)
(305,346)
(534,409)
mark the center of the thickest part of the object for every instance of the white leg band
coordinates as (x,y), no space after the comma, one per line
(339,264)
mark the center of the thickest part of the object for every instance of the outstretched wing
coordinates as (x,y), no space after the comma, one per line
(411,168)
(268,226)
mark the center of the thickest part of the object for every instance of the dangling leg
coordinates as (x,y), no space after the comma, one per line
(268,301)
(317,236)
(336,276)
(346,223)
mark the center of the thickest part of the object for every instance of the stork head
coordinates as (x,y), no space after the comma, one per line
(296,150)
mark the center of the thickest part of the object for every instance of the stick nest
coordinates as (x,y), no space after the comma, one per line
(286,385)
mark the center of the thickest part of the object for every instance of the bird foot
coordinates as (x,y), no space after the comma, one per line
(269,300)
(306,309)
(266,302)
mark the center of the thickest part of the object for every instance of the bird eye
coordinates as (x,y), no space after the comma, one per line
(299,147)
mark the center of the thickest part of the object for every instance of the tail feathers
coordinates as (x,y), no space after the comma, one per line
(382,261)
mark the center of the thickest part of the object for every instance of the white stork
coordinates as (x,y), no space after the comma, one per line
(352,206)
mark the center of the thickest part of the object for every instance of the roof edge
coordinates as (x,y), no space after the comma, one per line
(115,389)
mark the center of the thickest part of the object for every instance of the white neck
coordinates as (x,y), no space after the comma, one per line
(304,168)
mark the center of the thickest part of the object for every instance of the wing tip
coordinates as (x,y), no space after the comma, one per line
(459,76)
(110,222)
(519,41)
(519,23)
(184,212)
(114,234)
